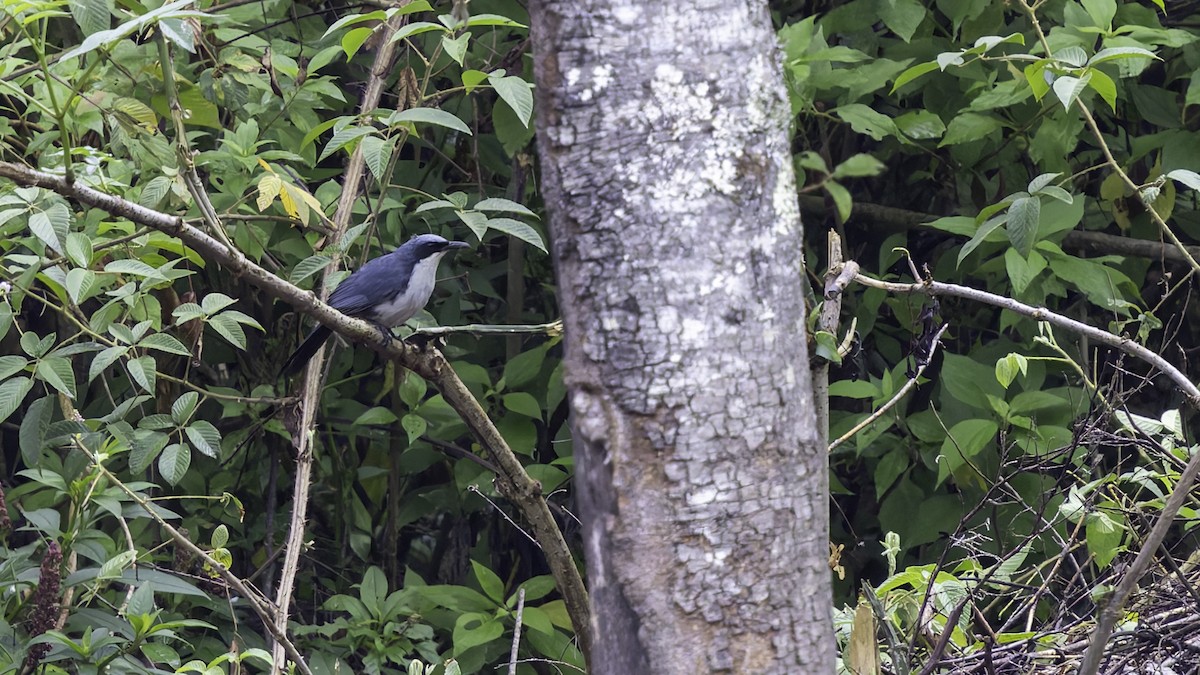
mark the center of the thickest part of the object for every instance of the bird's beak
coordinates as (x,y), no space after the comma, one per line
(457,244)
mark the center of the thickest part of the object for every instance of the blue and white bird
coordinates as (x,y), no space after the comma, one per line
(387,291)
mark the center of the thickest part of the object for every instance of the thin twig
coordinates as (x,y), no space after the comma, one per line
(516,641)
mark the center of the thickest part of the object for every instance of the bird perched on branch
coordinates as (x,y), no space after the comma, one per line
(387,291)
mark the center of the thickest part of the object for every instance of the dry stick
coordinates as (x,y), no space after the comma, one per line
(513,482)
(311,383)
(552,329)
(516,641)
(908,386)
(831,312)
(1112,610)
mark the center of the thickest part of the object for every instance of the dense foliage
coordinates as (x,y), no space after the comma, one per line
(958,134)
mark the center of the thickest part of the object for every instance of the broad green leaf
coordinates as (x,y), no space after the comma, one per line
(516,228)
(515,92)
(491,584)
(215,302)
(79,249)
(1104,536)
(375,416)
(1101,11)
(1189,178)
(1010,366)
(472,79)
(142,370)
(184,406)
(456,47)
(308,267)
(377,152)
(92,16)
(1023,217)
(921,125)
(903,17)
(104,359)
(913,73)
(504,205)
(377,15)
(354,39)
(1114,53)
(965,440)
(1042,181)
(10,364)
(969,126)
(57,371)
(43,229)
(474,629)
(864,120)
(1068,88)
(107,38)
(859,165)
(80,283)
(229,328)
(416,28)
(841,198)
(204,437)
(414,426)
(492,20)
(174,461)
(1038,77)
(164,342)
(343,138)
(1072,56)
(12,393)
(429,116)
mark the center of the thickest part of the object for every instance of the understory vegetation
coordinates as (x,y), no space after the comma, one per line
(1045,154)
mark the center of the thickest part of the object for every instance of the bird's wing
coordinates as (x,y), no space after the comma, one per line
(375,283)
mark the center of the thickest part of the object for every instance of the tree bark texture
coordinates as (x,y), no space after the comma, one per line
(663,136)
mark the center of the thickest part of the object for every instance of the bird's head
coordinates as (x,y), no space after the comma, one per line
(425,246)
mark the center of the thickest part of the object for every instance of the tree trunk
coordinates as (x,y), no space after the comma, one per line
(663,135)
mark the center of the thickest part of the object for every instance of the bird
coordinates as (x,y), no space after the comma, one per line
(386,291)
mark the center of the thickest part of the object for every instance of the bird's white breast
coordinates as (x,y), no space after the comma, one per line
(420,286)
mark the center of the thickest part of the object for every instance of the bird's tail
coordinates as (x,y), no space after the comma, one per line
(305,351)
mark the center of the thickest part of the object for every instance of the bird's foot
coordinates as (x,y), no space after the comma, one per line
(385,334)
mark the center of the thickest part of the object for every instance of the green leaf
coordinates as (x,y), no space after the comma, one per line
(841,198)
(58,373)
(80,283)
(229,328)
(472,630)
(859,165)
(921,125)
(174,461)
(204,437)
(1068,88)
(375,416)
(1008,367)
(308,267)
(472,79)
(913,73)
(142,371)
(523,403)
(184,406)
(429,116)
(377,152)
(107,38)
(1101,11)
(12,393)
(516,93)
(92,16)
(416,28)
(1072,56)
(456,48)
(516,228)
(220,537)
(503,205)
(492,20)
(164,342)
(1114,53)
(1037,77)
(1023,269)
(1189,178)
(969,126)
(353,40)
(43,229)
(10,364)
(1104,536)
(965,440)
(1023,217)
(903,17)
(491,584)
(377,15)
(344,138)
(104,359)
(79,249)
(864,120)
(414,426)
